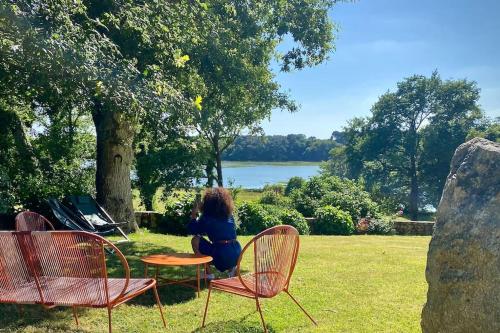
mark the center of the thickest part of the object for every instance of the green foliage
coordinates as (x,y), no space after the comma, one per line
(375,226)
(293,183)
(303,203)
(332,221)
(54,162)
(254,218)
(488,129)
(270,198)
(233,61)
(177,214)
(292,147)
(295,219)
(345,194)
(402,152)
(276,188)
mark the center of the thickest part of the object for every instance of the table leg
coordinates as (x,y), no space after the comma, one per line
(145,270)
(198,278)
(156,272)
(206,270)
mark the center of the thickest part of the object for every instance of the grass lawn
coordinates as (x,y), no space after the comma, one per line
(349,284)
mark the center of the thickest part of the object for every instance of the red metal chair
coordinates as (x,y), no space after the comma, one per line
(64,268)
(275,253)
(31,221)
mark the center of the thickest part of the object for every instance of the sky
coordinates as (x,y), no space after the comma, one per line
(379,43)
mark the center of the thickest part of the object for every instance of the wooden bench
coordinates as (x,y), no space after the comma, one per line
(64,268)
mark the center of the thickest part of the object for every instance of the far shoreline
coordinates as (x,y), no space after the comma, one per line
(240,164)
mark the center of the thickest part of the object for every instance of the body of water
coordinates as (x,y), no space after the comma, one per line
(257,174)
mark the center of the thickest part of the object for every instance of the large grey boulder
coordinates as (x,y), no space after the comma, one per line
(463,262)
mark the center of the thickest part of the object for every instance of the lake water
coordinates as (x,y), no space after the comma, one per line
(257,174)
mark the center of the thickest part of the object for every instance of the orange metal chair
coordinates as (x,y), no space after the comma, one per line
(275,253)
(31,221)
(64,268)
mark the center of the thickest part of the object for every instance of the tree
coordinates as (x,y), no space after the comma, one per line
(488,129)
(124,62)
(234,63)
(405,147)
(86,57)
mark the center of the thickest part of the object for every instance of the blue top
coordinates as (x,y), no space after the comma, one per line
(215,229)
(225,255)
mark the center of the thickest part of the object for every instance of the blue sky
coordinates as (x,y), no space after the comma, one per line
(381,42)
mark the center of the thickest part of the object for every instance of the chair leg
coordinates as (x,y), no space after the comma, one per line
(159,306)
(303,310)
(20,308)
(109,319)
(122,233)
(261,315)
(206,306)
(75,315)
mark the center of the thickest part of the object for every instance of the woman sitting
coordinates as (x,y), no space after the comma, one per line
(217,222)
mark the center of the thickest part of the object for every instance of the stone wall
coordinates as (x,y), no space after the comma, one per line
(148,219)
(417,228)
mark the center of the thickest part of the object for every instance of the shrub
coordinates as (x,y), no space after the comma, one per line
(357,203)
(332,221)
(269,198)
(293,183)
(380,227)
(178,208)
(303,203)
(254,218)
(277,188)
(273,198)
(333,191)
(295,219)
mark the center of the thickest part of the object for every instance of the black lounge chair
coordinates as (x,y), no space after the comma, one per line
(67,218)
(89,210)
(83,213)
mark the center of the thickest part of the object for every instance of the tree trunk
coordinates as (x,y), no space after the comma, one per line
(209,171)
(114,136)
(218,166)
(413,189)
(148,202)
(23,145)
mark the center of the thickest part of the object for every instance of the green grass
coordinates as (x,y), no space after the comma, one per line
(349,284)
(248,195)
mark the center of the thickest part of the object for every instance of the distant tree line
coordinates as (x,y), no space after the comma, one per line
(279,148)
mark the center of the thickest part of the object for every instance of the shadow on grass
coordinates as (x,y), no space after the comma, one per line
(11,319)
(240,326)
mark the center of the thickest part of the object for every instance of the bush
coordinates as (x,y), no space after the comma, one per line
(273,198)
(177,214)
(332,221)
(277,188)
(380,227)
(254,218)
(303,203)
(269,198)
(293,183)
(295,219)
(333,191)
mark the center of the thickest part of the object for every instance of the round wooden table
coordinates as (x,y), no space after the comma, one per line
(177,259)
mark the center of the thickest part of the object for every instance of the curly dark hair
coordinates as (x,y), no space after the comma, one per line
(218,203)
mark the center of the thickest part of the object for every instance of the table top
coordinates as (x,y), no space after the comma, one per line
(176,259)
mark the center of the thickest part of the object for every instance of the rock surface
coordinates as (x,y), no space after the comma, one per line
(463,262)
